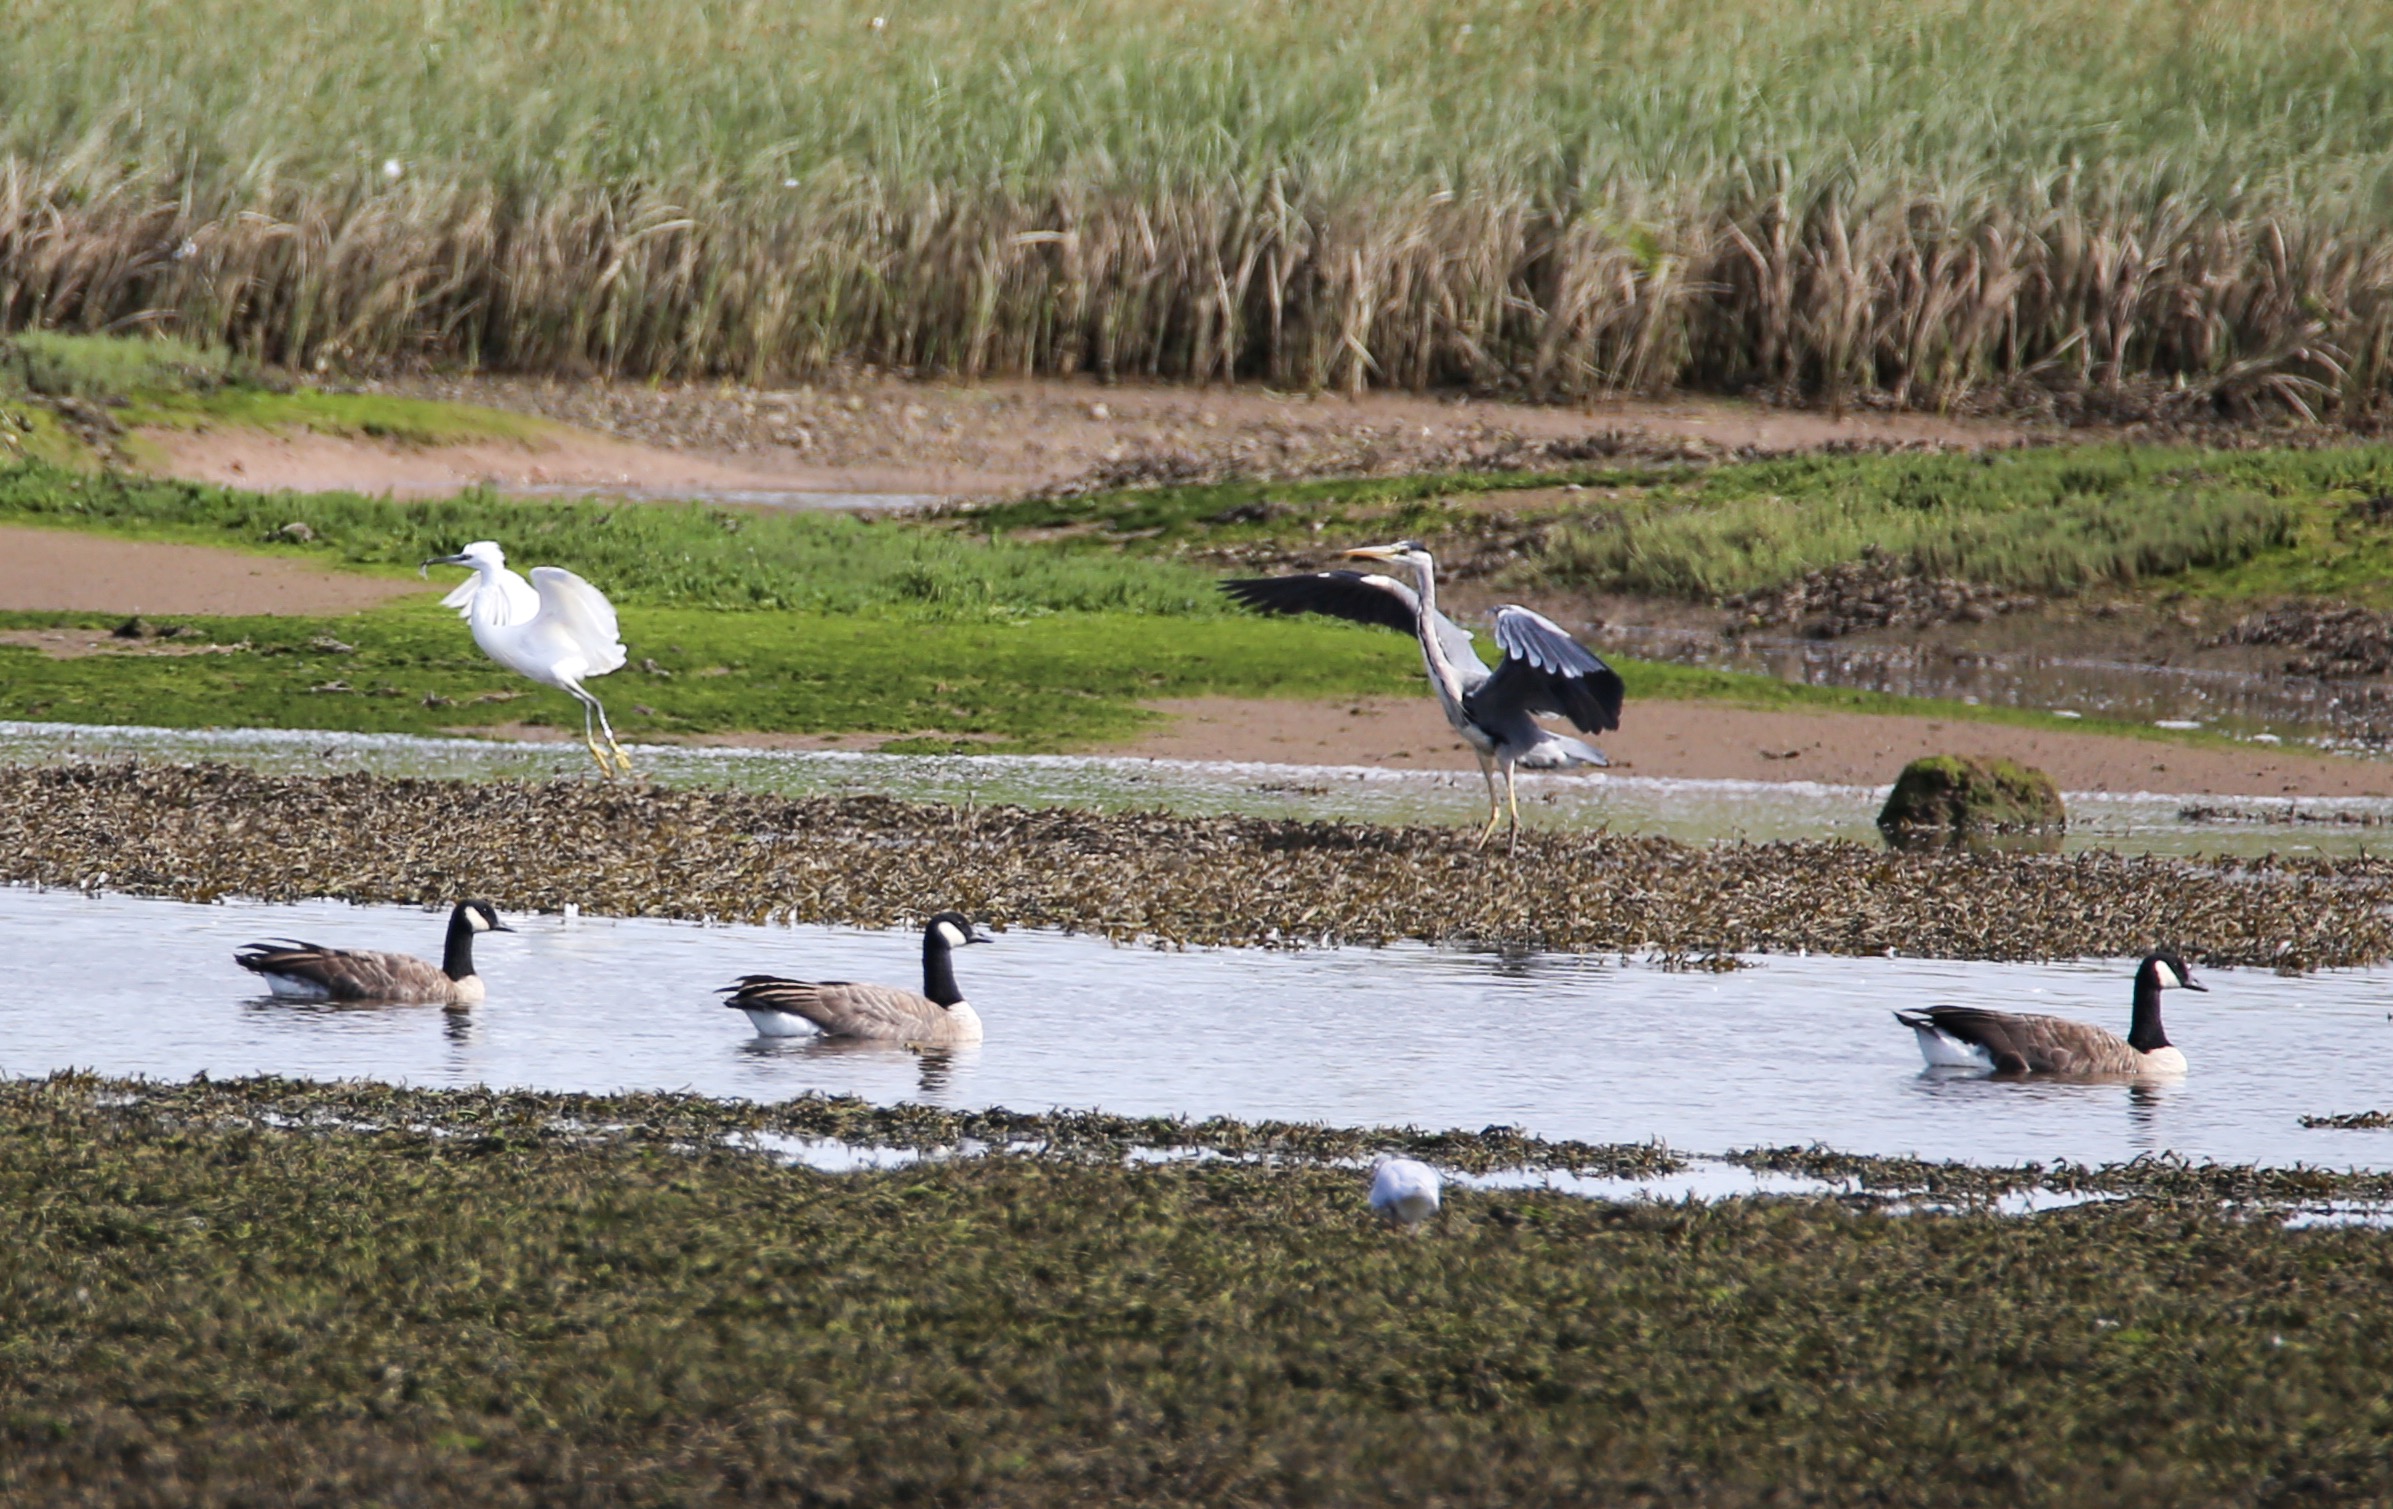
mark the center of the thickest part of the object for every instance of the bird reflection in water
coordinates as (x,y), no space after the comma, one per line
(935,1068)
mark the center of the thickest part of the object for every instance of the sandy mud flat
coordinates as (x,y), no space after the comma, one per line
(58,570)
(1720,741)
(884,438)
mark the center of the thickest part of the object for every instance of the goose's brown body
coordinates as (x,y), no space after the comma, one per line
(2041,1044)
(311,971)
(935,1016)
(839,1008)
(2011,1042)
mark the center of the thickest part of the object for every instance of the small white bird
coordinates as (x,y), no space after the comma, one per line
(1404,1190)
(556,629)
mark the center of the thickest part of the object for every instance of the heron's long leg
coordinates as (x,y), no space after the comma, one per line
(590,735)
(1513,796)
(621,759)
(1495,803)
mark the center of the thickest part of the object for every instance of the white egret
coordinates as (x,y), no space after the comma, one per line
(1404,1190)
(556,629)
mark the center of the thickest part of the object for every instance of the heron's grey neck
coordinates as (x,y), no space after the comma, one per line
(1433,651)
(938,970)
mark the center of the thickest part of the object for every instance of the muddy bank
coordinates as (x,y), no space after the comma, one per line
(1721,741)
(61,570)
(559,461)
(203,831)
(1012,436)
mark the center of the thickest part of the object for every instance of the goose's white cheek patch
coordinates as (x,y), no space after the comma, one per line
(949,935)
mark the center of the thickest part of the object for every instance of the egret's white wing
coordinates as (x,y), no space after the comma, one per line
(582,613)
(512,600)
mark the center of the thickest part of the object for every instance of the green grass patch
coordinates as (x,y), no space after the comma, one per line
(1047,682)
(2059,519)
(489,1307)
(371,416)
(157,380)
(113,368)
(1058,680)
(642,553)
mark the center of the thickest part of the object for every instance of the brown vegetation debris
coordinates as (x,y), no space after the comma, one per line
(869,861)
(2335,639)
(1876,592)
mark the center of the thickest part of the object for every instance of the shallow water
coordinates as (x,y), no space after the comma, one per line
(1791,1051)
(1696,811)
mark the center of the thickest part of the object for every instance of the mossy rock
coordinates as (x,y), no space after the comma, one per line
(1961,794)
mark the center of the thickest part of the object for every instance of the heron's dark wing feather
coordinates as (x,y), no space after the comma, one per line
(1544,670)
(1358,597)
(1351,595)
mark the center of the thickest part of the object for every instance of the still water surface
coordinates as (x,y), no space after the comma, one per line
(1793,1050)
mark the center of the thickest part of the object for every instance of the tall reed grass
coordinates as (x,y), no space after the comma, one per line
(1909,197)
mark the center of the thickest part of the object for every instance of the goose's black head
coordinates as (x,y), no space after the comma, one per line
(953,930)
(2162,969)
(469,918)
(478,917)
(941,937)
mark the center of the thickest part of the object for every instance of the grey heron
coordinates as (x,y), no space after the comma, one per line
(1969,1037)
(1543,669)
(556,629)
(938,1017)
(312,972)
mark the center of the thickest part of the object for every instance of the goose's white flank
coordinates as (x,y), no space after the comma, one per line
(1970,1037)
(556,629)
(1404,1190)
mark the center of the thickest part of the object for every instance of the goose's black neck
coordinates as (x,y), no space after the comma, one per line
(938,969)
(2144,1034)
(457,960)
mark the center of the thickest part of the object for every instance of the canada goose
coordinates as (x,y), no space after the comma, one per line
(1967,1037)
(1404,1190)
(837,1008)
(312,972)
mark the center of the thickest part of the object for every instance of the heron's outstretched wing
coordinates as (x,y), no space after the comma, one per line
(1544,670)
(1358,598)
(583,613)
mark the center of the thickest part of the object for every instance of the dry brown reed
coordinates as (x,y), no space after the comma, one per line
(1911,297)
